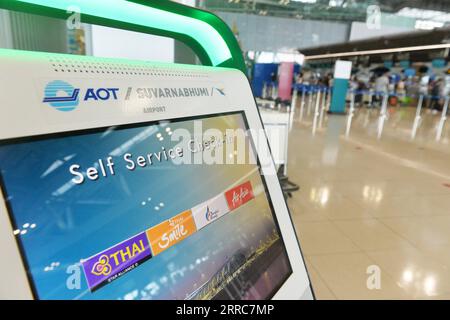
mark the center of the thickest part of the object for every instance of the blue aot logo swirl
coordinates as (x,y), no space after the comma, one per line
(61,95)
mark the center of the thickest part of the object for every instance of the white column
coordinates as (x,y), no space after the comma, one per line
(5,30)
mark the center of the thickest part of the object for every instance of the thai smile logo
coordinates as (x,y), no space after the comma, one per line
(170,232)
(102,266)
(177,231)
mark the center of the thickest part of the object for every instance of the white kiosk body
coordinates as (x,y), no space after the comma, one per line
(135,180)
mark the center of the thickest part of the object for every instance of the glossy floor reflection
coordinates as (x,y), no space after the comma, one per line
(367,202)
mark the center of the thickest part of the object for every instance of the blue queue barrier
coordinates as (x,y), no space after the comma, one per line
(307,89)
(316,90)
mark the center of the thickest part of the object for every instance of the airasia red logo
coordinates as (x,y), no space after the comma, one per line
(239,195)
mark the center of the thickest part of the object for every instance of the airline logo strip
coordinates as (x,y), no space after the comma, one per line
(114,262)
(170,232)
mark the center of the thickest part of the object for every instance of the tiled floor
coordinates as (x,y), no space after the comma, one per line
(374,202)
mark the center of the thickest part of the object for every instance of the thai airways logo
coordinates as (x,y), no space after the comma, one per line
(102,266)
(170,232)
(116,261)
(61,95)
(211,214)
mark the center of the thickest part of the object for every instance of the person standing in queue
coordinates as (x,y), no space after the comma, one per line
(381,87)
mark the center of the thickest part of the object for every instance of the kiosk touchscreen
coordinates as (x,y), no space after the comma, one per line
(135,180)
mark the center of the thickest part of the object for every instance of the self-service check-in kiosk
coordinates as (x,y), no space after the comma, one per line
(135,180)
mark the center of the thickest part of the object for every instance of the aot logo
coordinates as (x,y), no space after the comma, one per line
(103,94)
(65,97)
(61,95)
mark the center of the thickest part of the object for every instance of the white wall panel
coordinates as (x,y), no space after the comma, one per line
(115,43)
(5,30)
(38,33)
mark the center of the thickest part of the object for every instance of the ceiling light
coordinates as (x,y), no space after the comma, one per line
(428,24)
(421,14)
(378,51)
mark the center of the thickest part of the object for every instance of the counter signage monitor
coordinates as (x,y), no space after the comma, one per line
(132,180)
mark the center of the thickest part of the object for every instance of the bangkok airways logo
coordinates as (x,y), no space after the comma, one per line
(211,214)
(61,95)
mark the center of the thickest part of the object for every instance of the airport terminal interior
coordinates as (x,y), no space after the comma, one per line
(354,97)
